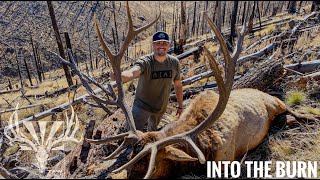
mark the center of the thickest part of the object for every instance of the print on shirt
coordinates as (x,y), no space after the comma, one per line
(161,74)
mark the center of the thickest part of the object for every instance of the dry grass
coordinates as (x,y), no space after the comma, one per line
(265,31)
(310,110)
(297,144)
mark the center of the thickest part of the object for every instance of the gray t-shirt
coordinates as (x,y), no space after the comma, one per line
(155,82)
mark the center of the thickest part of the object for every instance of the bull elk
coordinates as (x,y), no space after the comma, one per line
(214,127)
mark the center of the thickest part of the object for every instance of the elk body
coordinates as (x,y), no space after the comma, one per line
(243,125)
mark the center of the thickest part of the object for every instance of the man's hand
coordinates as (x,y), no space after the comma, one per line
(127,75)
(179,94)
(112,77)
(179,111)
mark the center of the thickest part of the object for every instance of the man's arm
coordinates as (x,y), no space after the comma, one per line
(179,95)
(128,75)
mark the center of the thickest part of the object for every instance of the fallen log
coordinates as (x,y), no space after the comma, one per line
(302,81)
(294,30)
(24,107)
(9,91)
(261,77)
(195,90)
(188,53)
(55,93)
(304,67)
(258,54)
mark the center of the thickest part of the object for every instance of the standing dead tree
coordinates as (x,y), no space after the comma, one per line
(59,42)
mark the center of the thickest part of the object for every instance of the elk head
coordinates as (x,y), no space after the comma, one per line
(43,146)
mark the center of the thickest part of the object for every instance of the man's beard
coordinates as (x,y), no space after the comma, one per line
(161,53)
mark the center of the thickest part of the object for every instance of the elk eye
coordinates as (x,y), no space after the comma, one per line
(138,147)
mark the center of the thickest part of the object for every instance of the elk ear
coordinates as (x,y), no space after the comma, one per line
(177,155)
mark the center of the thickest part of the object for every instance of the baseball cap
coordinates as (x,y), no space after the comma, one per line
(160,36)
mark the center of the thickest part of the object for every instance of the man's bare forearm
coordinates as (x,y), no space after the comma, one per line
(179,93)
(128,75)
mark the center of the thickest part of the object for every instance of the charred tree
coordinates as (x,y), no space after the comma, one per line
(35,59)
(292,7)
(250,26)
(59,42)
(183,32)
(27,69)
(218,12)
(115,26)
(68,44)
(233,24)
(194,19)
(258,9)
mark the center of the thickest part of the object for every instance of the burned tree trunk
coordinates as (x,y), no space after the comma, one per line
(292,7)
(68,41)
(59,42)
(89,45)
(244,12)
(115,26)
(233,24)
(39,61)
(250,26)
(194,19)
(35,59)
(27,69)
(183,32)
(258,9)
(218,12)
(19,70)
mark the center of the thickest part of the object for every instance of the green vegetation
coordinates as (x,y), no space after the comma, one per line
(295,98)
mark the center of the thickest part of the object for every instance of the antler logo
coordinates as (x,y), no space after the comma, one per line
(42,146)
(161,35)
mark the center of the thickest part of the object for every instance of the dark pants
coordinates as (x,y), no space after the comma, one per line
(142,117)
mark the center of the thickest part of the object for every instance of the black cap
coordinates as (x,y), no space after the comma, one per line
(160,36)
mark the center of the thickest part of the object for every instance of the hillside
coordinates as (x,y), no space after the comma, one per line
(280,56)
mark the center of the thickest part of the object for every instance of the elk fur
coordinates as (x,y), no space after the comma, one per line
(243,125)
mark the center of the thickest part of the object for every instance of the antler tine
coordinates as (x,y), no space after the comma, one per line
(103,44)
(152,161)
(238,49)
(133,32)
(108,139)
(140,155)
(122,146)
(230,66)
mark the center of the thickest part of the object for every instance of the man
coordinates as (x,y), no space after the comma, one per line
(156,73)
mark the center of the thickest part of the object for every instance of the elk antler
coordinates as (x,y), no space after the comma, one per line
(224,88)
(115,60)
(132,135)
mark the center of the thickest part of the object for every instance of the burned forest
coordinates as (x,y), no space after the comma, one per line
(250,75)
